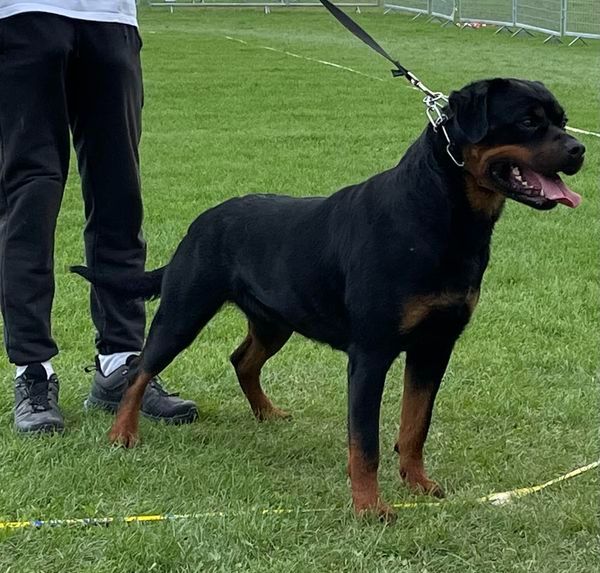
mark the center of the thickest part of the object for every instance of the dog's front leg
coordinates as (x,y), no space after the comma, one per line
(425,367)
(366,378)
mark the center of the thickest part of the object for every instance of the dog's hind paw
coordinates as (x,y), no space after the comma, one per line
(123,437)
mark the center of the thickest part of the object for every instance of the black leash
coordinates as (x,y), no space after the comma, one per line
(434,101)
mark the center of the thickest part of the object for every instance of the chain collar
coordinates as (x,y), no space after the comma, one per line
(437,119)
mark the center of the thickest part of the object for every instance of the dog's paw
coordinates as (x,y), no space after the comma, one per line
(378,510)
(421,484)
(428,487)
(124,437)
(271,413)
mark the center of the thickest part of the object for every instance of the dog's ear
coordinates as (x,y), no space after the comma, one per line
(469,109)
(469,112)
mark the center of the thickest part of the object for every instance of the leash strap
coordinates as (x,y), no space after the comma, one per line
(434,101)
(362,35)
(353,27)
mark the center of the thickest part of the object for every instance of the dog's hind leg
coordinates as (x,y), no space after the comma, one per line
(185,308)
(262,342)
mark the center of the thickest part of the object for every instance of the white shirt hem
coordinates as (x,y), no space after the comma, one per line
(90,16)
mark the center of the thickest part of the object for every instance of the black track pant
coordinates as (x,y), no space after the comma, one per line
(60,75)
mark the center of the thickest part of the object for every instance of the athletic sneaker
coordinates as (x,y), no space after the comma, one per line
(157,403)
(36,401)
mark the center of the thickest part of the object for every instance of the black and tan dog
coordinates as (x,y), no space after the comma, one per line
(389,265)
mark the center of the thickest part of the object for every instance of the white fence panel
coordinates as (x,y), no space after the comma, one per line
(443,9)
(543,15)
(488,11)
(582,18)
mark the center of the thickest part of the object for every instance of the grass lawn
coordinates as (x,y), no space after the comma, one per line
(519,404)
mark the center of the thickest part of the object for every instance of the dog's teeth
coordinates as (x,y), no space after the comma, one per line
(515,171)
(542,193)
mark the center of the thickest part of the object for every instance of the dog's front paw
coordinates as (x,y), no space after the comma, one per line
(419,483)
(375,509)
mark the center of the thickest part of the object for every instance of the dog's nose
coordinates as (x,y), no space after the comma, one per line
(576,149)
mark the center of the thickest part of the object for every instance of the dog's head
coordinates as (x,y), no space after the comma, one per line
(513,141)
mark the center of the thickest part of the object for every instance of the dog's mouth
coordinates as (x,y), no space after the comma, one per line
(531,187)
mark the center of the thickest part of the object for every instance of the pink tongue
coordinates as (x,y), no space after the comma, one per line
(554,189)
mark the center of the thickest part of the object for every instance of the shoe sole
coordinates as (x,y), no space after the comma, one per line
(44,429)
(112,407)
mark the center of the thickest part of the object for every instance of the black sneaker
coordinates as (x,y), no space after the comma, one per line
(36,401)
(157,403)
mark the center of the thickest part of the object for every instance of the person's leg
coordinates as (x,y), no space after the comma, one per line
(106,122)
(34,158)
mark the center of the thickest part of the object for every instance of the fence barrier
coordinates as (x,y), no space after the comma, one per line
(577,19)
(557,19)
(266,4)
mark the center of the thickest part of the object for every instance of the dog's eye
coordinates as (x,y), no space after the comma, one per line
(564,122)
(528,122)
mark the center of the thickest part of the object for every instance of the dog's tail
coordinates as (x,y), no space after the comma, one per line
(145,286)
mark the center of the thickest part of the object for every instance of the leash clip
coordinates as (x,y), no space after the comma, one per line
(434,110)
(437,119)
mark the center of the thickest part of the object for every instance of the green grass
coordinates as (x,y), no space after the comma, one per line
(519,403)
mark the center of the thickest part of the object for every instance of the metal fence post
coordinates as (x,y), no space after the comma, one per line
(563,18)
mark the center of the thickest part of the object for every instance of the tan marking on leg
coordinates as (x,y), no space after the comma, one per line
(417,404)
(248,361)
(124,430)
(364,484)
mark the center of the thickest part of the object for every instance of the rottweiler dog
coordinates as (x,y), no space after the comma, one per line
(393,264)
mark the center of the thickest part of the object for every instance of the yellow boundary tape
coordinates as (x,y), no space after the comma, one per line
(499,498)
